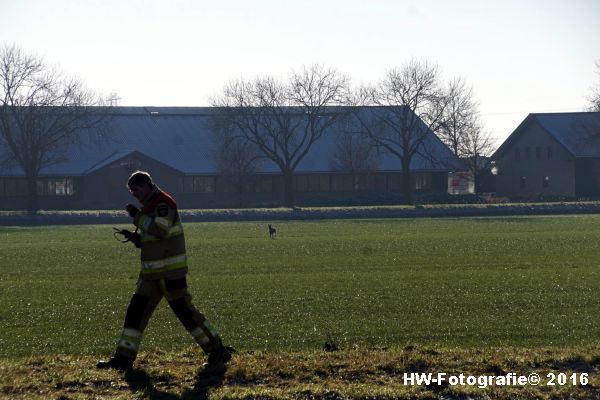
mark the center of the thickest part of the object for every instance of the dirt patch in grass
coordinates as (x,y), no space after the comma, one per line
(356,373)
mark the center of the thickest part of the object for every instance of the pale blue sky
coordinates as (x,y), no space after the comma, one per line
(520,56)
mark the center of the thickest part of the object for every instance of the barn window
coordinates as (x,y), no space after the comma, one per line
(423,181)
(301,183)
(55,187)
(264,184)
(341,183)
(198,184)
(318,183)
(13,187)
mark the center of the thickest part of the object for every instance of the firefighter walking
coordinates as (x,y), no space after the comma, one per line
(163,274)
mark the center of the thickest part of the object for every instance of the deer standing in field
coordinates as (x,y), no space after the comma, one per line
(272,231)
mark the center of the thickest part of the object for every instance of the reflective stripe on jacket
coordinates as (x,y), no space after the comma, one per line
(162,240)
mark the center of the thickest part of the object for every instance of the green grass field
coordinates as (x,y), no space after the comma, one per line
(379,283)
(471,295)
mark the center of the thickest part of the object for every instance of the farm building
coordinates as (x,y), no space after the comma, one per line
(553,155)
(177,146)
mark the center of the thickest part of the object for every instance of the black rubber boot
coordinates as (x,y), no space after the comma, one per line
(218,358)
(117,362)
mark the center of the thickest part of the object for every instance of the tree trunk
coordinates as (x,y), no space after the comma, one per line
(32,199)
(239,188)
(288,187)
(407,190)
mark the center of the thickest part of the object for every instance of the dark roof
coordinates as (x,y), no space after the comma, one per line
(179,137)
(578,133)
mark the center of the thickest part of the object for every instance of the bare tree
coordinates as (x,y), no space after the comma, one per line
(461,129)
(595,96)
(42,113)
(460,116)
(235,158)
(409,106)
(477,145)
(284,119)
(354,153)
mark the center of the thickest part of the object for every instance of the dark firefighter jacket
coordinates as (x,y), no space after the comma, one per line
(162,241)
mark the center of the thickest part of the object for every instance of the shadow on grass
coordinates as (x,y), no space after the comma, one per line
(140,381)
(205,380)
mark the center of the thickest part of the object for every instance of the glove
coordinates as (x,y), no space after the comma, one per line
(136,239)
(132,210)
(132,237)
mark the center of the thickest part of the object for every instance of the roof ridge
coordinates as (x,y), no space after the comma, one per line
(113,154)
(565,112)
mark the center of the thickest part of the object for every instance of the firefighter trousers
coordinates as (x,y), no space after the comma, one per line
(144,301)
